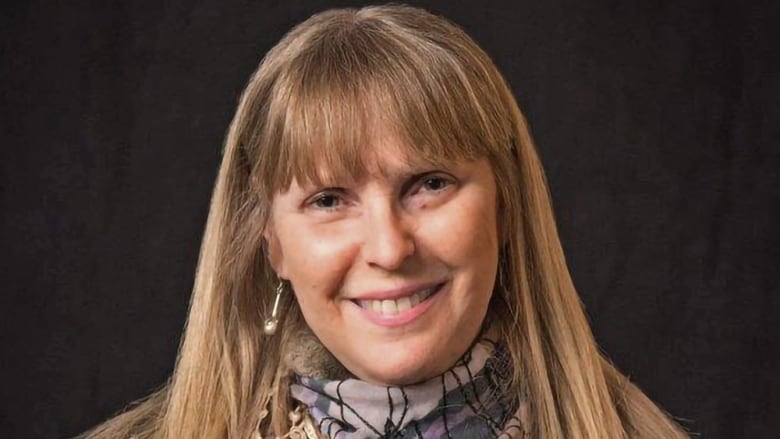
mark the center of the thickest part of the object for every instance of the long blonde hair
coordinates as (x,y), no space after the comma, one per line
(305,114)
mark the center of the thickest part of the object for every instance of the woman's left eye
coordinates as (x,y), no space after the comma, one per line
(431,189)
(432,184)
(435,183)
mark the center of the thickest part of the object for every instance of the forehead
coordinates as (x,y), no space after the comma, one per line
(383,155)
(378,150)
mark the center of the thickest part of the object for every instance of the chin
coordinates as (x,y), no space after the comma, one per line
(400,376)
(401,369)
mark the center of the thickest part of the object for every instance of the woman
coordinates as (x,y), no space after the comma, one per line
(381,259)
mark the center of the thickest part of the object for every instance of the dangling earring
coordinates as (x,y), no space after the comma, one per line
(271,323)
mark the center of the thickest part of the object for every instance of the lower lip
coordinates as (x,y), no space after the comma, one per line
(404,317)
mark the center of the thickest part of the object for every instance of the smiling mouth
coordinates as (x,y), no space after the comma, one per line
(391,307)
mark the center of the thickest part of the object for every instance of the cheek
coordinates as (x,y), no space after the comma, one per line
(316,260)
(465,234)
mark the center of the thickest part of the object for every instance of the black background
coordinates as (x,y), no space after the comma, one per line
(657,124)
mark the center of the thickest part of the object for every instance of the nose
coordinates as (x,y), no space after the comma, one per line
(389,240)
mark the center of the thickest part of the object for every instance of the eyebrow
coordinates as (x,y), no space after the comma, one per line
(410,164)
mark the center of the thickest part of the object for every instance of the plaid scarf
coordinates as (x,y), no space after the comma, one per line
(467,401)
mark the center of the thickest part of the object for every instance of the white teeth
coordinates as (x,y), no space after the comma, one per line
(392,307)
(389,307)
(403,304)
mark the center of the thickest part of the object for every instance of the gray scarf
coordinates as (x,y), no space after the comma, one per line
(468,401)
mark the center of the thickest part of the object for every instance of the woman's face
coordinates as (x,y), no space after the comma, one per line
(393,273)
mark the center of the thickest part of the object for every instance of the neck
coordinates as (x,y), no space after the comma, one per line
(472,396)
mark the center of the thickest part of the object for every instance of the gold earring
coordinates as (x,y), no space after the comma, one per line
(269,327)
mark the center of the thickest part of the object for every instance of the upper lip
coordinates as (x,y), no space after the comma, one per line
(396,293)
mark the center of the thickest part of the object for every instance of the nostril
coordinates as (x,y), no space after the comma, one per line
(388,241)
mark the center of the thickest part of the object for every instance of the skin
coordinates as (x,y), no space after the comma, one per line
(409,226)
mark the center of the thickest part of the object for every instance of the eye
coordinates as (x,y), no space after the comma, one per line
(430,189)
(326,200)
(435,183)
(431,184)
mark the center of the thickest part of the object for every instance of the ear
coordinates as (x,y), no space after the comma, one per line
(274,252)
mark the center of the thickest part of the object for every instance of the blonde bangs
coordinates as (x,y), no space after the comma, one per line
(325,107)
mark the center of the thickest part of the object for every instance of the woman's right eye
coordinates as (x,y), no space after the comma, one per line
(326,201)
